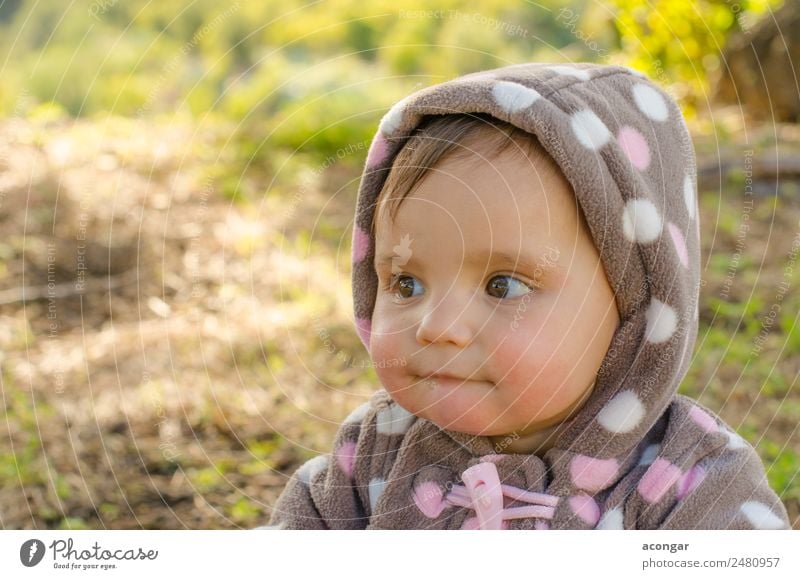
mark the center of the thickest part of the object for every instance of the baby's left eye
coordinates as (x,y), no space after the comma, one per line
(503,284)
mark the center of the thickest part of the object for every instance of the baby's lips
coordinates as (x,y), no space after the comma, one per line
(427,381)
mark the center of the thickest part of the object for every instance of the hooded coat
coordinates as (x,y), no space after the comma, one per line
(638,455)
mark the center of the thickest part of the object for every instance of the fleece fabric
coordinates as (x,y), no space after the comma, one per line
(638,455)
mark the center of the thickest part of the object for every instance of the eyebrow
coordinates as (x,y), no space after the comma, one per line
(519,263)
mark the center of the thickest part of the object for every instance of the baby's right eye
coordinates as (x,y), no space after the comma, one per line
(404,283)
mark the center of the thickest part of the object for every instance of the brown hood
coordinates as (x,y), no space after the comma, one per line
(622,143)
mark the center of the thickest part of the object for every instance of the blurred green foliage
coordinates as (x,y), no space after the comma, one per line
(318,76)
(681,41)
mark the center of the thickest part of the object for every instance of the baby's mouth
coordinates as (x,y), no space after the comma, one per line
(434,381)
(428,381)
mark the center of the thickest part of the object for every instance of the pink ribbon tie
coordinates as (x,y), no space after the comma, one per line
(483,492)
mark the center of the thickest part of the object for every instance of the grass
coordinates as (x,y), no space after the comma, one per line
(129,417)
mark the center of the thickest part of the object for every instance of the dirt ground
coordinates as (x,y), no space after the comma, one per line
(165,351)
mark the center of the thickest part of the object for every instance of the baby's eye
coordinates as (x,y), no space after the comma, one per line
(405,285)
(500,286)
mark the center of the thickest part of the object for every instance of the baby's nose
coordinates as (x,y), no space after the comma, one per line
(447,321)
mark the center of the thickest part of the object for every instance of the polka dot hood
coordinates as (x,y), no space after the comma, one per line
(637,455)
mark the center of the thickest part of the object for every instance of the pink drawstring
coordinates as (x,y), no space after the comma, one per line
(483,492)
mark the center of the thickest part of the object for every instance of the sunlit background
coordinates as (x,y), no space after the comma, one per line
(177,189)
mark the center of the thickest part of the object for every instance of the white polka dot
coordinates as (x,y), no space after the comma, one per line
(688,195)
(376,487)
(641,221)
(650,453)
(394,117)
(611,520)
(570,71)
(590,130)
(650,102)
(311,468)
(622,414)
(512,96)
(394,419)
(357,415)
(735,441)
(661,321)
(761,516)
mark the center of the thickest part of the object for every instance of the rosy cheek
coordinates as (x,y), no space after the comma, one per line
(525,359)
(519,348)
(388,357)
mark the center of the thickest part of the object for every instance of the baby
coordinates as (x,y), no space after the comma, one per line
(526,271)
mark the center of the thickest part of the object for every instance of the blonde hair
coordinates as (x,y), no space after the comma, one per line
(441,136)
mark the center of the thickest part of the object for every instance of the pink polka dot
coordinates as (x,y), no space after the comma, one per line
(428,498)
(635,147)
(586,508)
(703,420)
(364,329)
(658,479)
(361,243)
(679,243)
(377,150)
(690,481)
(345,456)
(593,474)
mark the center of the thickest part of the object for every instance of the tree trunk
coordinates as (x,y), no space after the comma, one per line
(760,70)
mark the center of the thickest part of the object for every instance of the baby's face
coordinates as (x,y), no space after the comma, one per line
(486,275)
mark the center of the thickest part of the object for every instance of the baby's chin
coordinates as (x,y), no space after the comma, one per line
(448,417)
